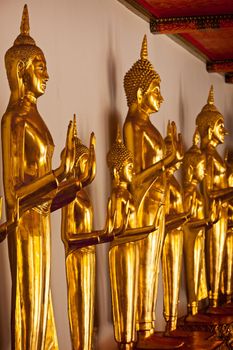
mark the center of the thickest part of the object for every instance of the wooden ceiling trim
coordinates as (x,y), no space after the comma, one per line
(187,24)
(229,78)
(223,66)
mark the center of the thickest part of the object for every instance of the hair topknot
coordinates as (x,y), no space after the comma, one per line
(140,75)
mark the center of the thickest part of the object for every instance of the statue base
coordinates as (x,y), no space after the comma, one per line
(199,340)
(183,340)
(207,324)
(158,341)
(217,321)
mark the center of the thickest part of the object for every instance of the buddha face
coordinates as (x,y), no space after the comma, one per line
(219,131)
(127,172)
(36,76)
(152,99)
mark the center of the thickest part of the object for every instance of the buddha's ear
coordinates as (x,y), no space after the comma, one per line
(116,175)
(210,133)
(190,172)
(139,95)
(20,69)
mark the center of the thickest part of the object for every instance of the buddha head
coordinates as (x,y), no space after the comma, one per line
(210,123)
(142,84)
(194,162)
(25,64)
(120,161)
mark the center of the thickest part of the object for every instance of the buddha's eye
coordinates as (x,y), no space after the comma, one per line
(40,67)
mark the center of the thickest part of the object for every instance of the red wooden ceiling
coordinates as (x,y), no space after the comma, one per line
(177,8)
(213,44)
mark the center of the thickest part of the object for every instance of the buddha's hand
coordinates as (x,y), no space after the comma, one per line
(110,219)
(177,143)
(92,158)
(67,155)
(174,144)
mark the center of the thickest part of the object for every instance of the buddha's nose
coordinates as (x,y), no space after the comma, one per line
(46,75)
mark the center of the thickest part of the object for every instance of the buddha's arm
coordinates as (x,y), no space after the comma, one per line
(197,223)
(173,221)
(66,193)
(99,237)
(224,194)
(133,141)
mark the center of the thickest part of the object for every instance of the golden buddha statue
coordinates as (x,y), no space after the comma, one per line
(30,186)
(173,245)
(123,258)
(227,271)
(124,253)
(194,229)
(210,124)
(142,88)
(77,218)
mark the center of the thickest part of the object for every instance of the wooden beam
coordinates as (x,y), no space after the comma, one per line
(176,25)
(223,66)
(229,78)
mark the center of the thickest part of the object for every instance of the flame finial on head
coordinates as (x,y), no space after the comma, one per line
(210,99)
(144,50)
(24,37)
(75,134)
(25,28)
(118,135)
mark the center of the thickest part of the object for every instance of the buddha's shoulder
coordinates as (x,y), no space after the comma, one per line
(12,117)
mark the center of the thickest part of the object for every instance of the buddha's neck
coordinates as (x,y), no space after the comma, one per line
(210,144)
(120,184)
(30,98)
(139,112)
(15,99)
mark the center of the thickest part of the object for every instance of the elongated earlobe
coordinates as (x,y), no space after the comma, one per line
(20,69)
(139,96)
(116,175)
(190,173)
(210,133)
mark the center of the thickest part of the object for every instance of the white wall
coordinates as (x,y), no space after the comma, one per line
(89,45)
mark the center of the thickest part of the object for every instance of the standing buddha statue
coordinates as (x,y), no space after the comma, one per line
(194,229)
(123,258)
(30,186)
(210,124)
(227,271)
(172,252)
(142,88)
(77,219)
